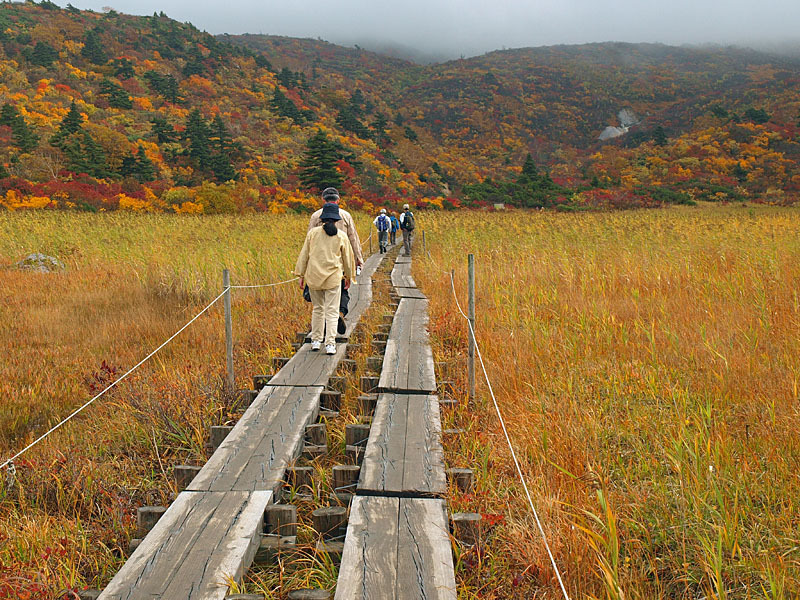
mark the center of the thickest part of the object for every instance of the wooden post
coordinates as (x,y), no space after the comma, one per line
(226,282)
(471,315)
(370,242)
(281,519)
(423,241)
(330,521)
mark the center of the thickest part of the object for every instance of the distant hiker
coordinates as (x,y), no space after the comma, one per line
(395,227)
(345,224)
(383,224)
(325,265)
(407,225)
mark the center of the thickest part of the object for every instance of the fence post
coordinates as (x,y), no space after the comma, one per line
(471,314)
(423,243)
(226,282)
(370,242)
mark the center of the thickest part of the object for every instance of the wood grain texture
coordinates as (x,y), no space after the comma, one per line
(203,540)
(396,549)
(270,434)
(309,368)
(401,275)
(410,292)
(404,455)
(408,361)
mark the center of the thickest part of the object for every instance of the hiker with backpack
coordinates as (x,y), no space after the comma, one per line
(407,225)
(383,224)
(325,265)
(395,227)
(345,224)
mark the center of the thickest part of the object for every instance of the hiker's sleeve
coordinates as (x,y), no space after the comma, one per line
(348,264)
(302,260)
(355,243)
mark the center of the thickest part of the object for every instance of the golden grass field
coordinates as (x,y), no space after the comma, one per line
(646,362)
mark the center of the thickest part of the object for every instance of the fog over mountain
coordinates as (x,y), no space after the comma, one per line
(441,29)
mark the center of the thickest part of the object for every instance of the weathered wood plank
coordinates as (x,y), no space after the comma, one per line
(369,561)
(425,559)
(404,455)
(401,275)
(270,434)
(410,292)
(203,540)
(396,549)
(402,259)
(309,368)
(408,361)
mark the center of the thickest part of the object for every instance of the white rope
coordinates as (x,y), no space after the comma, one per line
(10,462)
(86,404)
(264,285)
(508,440)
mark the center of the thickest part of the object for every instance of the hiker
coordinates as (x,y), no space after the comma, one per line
(347,225)
(383,224)
(326,266)
(407,225)
(395,227)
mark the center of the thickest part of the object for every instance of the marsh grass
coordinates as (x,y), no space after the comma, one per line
(130,282)
(647,364)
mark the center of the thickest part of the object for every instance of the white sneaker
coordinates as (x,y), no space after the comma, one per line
(330,349)
(316,346)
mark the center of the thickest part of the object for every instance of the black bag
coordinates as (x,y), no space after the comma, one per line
(306,294)
(408,221)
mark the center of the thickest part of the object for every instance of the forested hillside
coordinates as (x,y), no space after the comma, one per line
(108,111)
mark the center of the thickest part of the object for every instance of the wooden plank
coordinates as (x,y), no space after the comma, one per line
(309,368)
(425,559)
(410,292)
(270,434)
(401,275)
(203,540)
(369,561)
(396,549)
(408,360)
(404,455)
(402,259)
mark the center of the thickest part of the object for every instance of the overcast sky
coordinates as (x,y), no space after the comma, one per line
(468,27)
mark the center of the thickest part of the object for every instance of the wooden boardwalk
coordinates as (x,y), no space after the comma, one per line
(404,452)
(208,536)
(397,544)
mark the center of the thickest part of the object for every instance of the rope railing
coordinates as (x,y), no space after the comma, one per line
(9,463)
(508,437)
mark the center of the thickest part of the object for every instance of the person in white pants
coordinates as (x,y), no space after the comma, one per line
(326,259)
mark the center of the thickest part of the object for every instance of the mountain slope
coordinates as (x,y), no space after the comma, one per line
(164,115)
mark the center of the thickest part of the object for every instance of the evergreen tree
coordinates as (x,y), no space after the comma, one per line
(222,150)
(348,120)
(22,133)
(530,174)
(262,62)
(71,124)
(659,136)
(84,155)
(117,97)
(123,68)
(285,107)
(164,132)
(194,64)
(197,134)
(410,134)
(43,54)
(318,167)
(379,125)
(93,50)
(138,166)
(286,78)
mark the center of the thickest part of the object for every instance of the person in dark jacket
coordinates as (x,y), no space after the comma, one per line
(407,225)
(395,227)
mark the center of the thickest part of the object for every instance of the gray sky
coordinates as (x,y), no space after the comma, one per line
(469,27)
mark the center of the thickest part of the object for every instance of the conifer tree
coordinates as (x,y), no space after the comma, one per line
(93,50)
(70,124)
(24,137)
(197,134)
(164,132)
(222,150)
(318,167)
(43,54)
